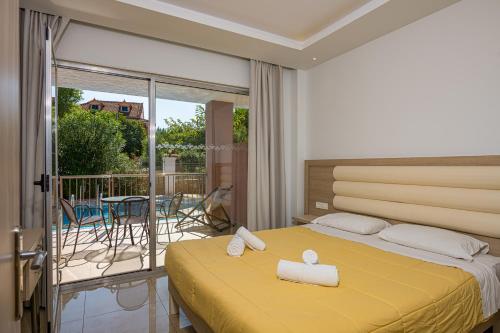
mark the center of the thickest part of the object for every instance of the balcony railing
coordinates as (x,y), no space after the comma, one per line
(90,189)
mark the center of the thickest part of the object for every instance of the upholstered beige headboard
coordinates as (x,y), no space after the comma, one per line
(457,193)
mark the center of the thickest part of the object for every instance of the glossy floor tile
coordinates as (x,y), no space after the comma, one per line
(126,307)
(74,306)
(75,326)
(94,259)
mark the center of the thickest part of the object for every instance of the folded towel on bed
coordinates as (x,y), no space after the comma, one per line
(236,246)
(252,241)
(323,275)
(310,257)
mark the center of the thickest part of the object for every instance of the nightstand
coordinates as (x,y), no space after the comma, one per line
(303,219)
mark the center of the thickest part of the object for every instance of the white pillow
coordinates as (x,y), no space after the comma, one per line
(436,240)
(359,224)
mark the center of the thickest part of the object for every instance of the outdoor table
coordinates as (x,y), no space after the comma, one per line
(117,199)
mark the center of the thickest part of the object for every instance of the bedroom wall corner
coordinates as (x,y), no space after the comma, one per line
(289,111)
(299,130)
(289,126)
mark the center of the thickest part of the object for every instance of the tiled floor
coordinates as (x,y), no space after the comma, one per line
(94,259)
(127,307)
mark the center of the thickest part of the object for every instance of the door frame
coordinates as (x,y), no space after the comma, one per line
(152,173)
(66,64)
(47,214)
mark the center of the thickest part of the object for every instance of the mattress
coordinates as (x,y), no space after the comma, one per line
(379,291)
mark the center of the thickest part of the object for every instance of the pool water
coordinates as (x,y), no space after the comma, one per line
(80,211)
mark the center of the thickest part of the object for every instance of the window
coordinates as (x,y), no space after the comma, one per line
(124,108)
(94,107)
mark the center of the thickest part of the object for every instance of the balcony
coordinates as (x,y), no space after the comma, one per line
(93,257)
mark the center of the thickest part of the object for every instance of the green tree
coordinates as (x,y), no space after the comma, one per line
(133,132)
(192,132)
(67,100)
(184,132)
(89,143)
(240,125)
(178,132)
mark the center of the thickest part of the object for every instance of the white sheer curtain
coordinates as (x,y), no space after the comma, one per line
(266,172)
(33,32)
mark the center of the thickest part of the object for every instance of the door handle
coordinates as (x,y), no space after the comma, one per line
(38,257)
(19,272)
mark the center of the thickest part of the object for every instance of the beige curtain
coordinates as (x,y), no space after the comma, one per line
(266,175)
(33,32)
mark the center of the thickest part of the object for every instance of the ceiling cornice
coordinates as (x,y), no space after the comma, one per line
(241,29)
(344,21)
(214,22)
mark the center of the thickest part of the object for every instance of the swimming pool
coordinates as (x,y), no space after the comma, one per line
(83,211)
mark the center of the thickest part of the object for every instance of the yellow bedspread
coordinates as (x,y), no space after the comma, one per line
(378,291)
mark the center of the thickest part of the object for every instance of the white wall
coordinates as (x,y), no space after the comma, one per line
(431,88)
(296,137)
(290,124)
(100,46)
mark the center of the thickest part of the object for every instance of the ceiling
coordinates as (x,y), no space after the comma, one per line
(295,19)
(292,33)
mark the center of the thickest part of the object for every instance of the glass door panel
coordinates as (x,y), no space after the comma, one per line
(103,166)
(200,147)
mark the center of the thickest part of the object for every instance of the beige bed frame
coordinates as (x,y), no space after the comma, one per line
(319,179)
(318,187)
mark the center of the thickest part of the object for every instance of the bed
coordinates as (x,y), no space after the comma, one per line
(380,290)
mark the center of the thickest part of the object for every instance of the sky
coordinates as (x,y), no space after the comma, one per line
(164,108)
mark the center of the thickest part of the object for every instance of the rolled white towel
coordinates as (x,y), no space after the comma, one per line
(323,275)
(310,257)
(236,246)
(252,241)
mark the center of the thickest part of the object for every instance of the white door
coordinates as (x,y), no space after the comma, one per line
(10,163)
(45,188)
(50,299)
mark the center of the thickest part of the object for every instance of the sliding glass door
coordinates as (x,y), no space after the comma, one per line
(143,161)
